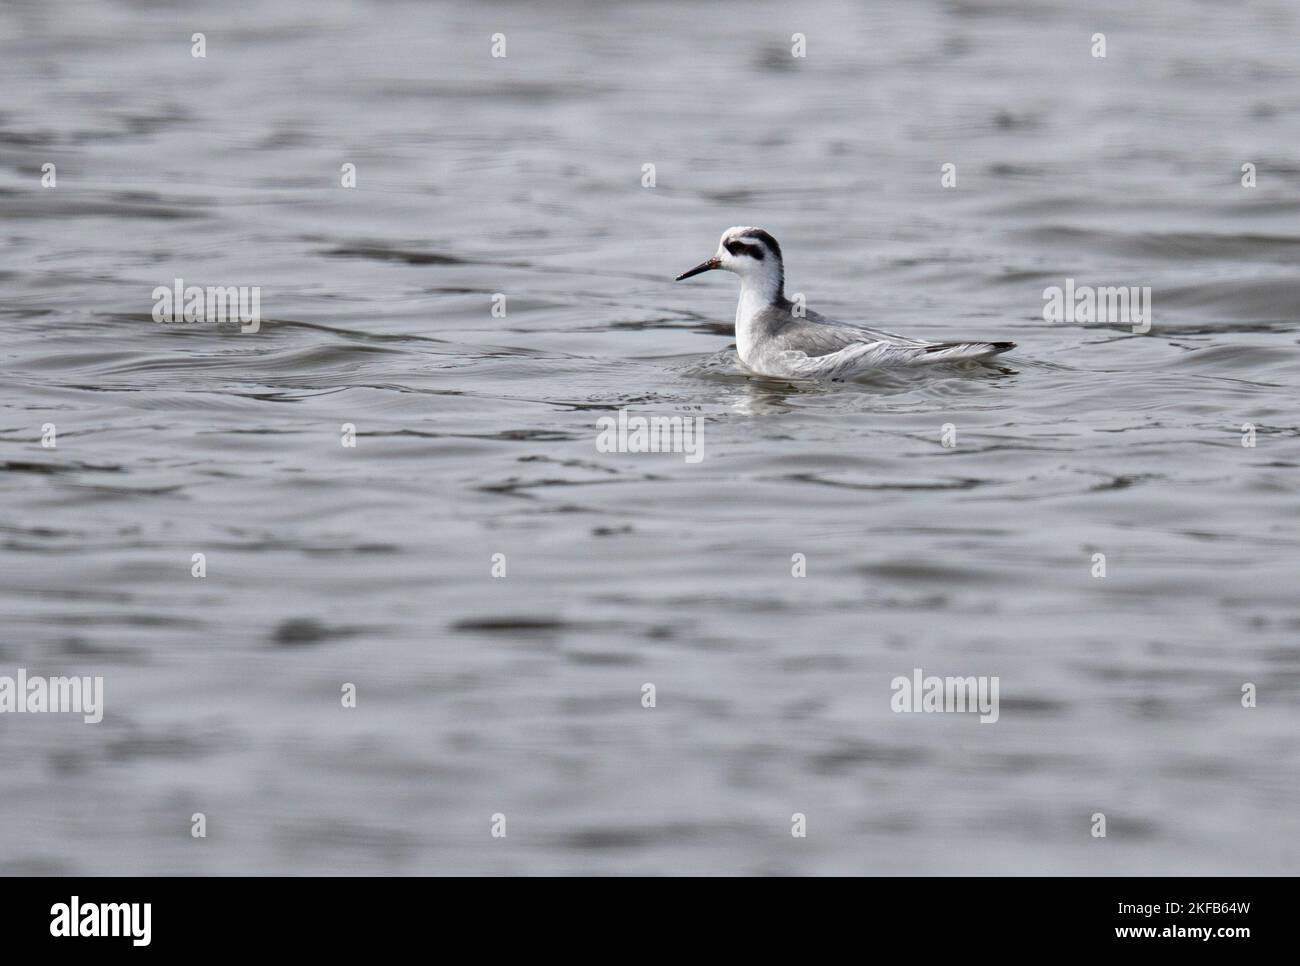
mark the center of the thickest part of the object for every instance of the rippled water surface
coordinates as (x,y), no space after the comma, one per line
(476,436)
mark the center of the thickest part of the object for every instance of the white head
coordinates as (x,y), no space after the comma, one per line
(752,254)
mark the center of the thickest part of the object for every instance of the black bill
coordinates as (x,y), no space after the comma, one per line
(708,266)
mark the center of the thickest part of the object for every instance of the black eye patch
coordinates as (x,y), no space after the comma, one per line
(740,248)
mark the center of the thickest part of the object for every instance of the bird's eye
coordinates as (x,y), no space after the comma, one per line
(740,248)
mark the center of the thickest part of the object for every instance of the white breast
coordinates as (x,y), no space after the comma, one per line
(748,331)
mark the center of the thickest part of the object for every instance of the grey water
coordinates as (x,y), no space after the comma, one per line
(518,700)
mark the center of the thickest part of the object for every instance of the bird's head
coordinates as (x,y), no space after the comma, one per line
(752,254)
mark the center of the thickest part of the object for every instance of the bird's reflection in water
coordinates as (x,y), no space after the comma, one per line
(764,397)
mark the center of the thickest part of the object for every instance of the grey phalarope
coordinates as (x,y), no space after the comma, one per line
(776,338)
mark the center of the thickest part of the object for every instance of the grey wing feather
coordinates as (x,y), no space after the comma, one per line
(818,347)
(818,335)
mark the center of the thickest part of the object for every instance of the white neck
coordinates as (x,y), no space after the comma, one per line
(753,300)
(765,280)
(757,292)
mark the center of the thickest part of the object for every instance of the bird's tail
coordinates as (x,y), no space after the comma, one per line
(955,351)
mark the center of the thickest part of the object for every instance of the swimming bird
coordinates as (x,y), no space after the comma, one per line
(776,337)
